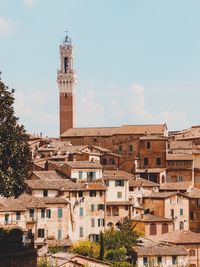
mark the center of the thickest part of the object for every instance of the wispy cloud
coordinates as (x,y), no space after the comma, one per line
(138,107)
(8,26)
(30,3)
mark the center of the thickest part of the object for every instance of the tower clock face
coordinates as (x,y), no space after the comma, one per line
(66,64)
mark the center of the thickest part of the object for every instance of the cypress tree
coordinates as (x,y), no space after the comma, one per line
(102,249)
(15,157)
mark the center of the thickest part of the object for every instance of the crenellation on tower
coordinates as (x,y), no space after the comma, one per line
(66,80)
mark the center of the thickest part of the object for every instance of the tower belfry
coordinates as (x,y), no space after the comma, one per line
(66,85)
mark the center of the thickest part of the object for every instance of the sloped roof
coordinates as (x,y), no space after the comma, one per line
(194,193)
(84,164)
(150,218)
(185,185)
(46,175)
(141,182)
(109,131)
(160,250)
(117,175)
(163,195)
(63,242)
(178,237)
(175,156)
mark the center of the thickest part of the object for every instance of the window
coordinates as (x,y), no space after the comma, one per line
(42,213)
(91,175)
(181,225)
(100,193)
(174,260)
(198,202)
(48,213)
(101,207)
(31,213)
(6,218)
(92,222)
(81,211)
(45,193)
(165,228)
(119,194)
(81,231)
(80,194)
(107,183)
(119,183)
(179,178)
(80,175)
(93,193)
(181,211)
(158,161)
(59,233)
(126,208)
(115,211)
(172,213)
(130,149)
(41,233)
(146,161)
(148,145)
(131,189)
(59,212)
(153,229)
(145,261)
(120,149)
(18,215)
(92,207)
(192,252)
(111,161)
(191,215)
(159,260)
(104,161)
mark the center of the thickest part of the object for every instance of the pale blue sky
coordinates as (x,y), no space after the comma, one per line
(136,61)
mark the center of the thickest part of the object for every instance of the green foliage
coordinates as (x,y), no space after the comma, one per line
(43,262)
(86,248)
(126,237)
(122,264)
(15,157)
(53,250)
(116,255)
(102,248)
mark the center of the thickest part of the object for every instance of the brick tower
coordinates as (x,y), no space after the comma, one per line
(66,85)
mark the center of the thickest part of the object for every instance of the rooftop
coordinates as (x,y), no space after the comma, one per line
(163,195)
(150,218)
(176,186)
(141,182)
(178,237)
(117,175)
(84,164)
(109,131)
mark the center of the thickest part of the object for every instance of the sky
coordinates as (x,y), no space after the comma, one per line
(137,61)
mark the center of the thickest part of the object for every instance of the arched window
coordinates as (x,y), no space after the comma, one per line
(192,252)
(111,161)
(181,225)
(165,228)
(117,224)
(110,225)
(104,161)
(153,229)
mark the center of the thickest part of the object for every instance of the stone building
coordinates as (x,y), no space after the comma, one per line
(172,205)
(152,253)
(124,140)
(194,206)
(187,239)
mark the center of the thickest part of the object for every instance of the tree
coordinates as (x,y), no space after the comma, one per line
(102,249)
(15,156)
(126,237)
(86,248)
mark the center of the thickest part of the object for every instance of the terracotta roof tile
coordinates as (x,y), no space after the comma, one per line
(185,185)
(118,203)
(142,182)
(160,250)
(194,193)
(178,237)
(163,195)
(150,218)
(46,175)
(84,164)
(117,175)
(176,156)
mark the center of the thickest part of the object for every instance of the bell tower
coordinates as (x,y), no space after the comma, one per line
(66,85)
